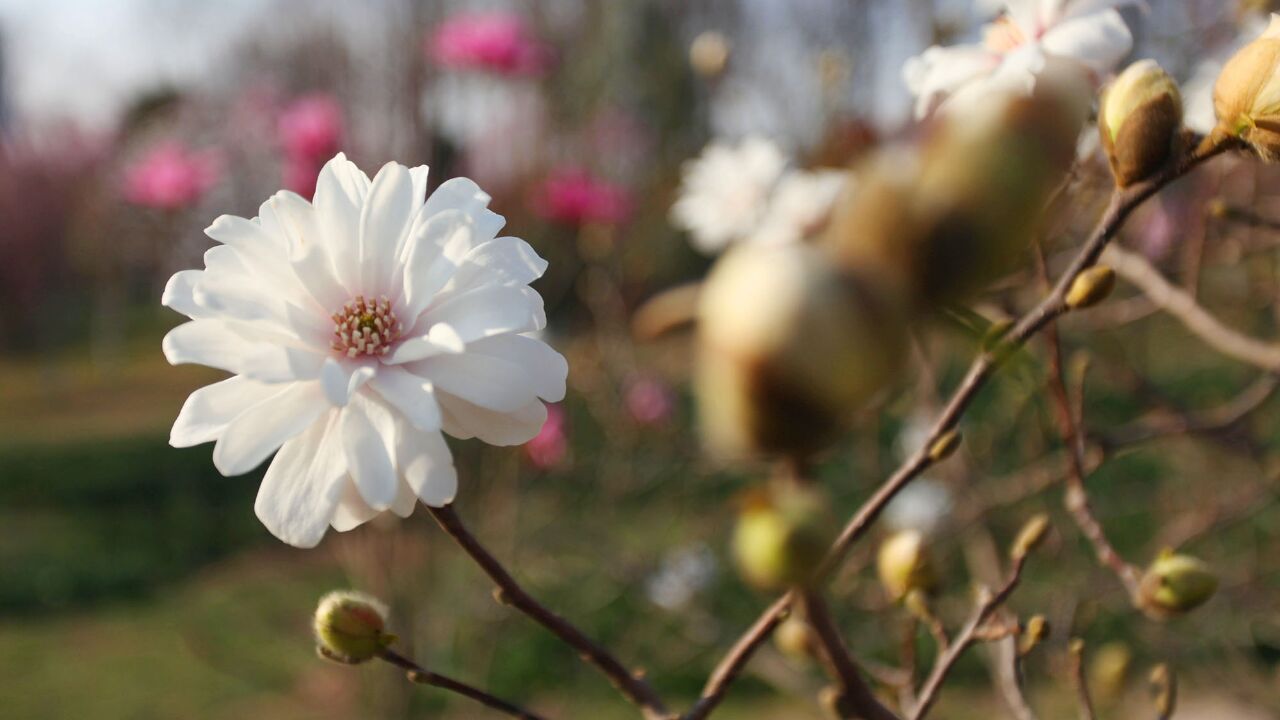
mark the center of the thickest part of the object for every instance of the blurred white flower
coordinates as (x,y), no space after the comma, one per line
(1086,35)
(682,575)
(921,506)
(358,327)
(725,191)
(800,205)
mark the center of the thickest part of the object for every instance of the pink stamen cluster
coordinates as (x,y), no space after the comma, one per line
(365,327)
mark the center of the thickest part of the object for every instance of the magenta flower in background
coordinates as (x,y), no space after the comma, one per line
(649,400)
(300,174)
(170,176)
(312,127)
(549,448)
(575,197)
(499,42)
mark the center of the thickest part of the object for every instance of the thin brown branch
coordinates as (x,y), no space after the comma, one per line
(731,666)
(1122,204)
(857,698)
(1183,307)
(1078,680)
(967,636)
(416,673)
(511,593)
(1218,419)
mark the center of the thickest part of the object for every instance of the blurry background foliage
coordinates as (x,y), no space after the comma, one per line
(136,583)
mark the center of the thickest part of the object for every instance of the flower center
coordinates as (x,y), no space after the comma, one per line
(365,327)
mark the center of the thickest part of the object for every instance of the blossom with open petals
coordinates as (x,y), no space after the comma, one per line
(358,328)
(1087,36)
(725,192)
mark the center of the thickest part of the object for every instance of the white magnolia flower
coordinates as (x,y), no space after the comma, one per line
(1085,35)
(725,191)
(800,205)
(357,328)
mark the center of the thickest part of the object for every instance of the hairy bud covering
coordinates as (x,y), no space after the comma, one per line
(1140,122)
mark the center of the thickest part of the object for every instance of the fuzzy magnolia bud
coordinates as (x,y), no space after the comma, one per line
(1091,287)
(709,53)
(1108,670)
(1030,536)
(1246,97)
(904,564)
(1140,121)
(794,637)
(781,537)
(1035,632)
(1164,690)
(788,348)
(1176,584)
(945,217)
(350,627)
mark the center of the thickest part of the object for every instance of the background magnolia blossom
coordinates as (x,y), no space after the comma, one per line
(1087,37)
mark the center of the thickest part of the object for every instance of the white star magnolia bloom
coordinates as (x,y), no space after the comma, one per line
(1086,35)
(801,204)
(358,327)
(724,192)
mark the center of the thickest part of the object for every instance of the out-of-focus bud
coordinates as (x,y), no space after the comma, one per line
(1164,690)
(1091,287)
(1108,670)
(350,627)
(709,53)
(1176,584)
(1030,536)
(781,536)
(945,445)
(947,217)
(904,564)
(794,637)
(1140,121)
(1246,97)
(1035,632)
(788,348)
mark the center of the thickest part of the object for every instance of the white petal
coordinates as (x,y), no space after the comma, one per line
(259,431)
(1100,41)
(456,194)
(178,294)
(463,420)
(441,339)
(279,363)
(406,500)
(430,263)
(300,490)
(341,379)
(308,254)
(488,311)
(501,261)
(411,394)
(484,380)
(427,466)
(340,193)
(940,71)
(367,430)
(352,511)
(206,342)
(383,223)
(542,368)
(208,410)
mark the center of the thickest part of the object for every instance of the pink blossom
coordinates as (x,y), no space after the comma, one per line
(498,42)
(649,400)
(170,176)
(575,197)
(550,446)
(312,127)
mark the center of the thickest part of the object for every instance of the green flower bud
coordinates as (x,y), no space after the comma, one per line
(1030,536)
(350,627)
(1140,121)
(794,637)
(1091,287)
(1108,670)
(1176,584)
(781,537)
(904,564)
(1035,632)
